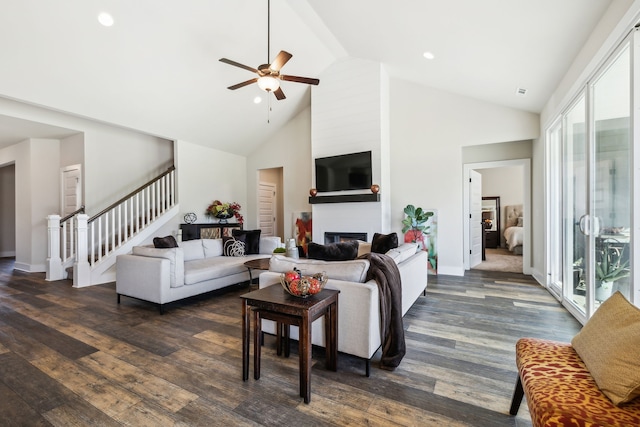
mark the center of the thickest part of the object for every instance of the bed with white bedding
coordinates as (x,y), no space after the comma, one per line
(514,228)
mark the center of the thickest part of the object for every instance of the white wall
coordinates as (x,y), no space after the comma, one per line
(290,149)
(118,161)
(44,196)
(506,183)
(204,175)
(37,195)
(428,130)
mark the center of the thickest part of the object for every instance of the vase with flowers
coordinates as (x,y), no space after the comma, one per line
(224,211)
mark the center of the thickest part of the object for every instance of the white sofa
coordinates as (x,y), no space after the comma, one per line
(196,266)
(358,304)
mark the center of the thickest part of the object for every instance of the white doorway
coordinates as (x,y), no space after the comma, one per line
(8,210)
(71,182)
(267,209)
(525,167)
(475,218)
(270,202)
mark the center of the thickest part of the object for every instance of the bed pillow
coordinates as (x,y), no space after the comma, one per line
(251,239)
(520,222)
(608,345)
(382,243)
(342,251)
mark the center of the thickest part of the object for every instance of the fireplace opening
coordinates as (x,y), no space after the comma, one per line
(342,236)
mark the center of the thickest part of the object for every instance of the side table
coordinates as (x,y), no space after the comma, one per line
(256,264)
(275,303)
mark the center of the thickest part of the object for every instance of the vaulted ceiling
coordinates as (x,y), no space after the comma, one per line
(157,68)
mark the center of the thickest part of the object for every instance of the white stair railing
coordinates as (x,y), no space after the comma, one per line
(86,242)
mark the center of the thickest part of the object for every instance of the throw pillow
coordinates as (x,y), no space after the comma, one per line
(342,251)
(165,242)
(381,243)
(232,247)
(251,239)
(520,222)
(363,247)
(192,249)
(608,345)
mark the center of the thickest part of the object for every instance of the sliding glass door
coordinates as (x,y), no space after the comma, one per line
(611,170)
(590,175)
(575,206)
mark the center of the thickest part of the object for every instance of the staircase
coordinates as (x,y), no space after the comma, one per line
(90,245)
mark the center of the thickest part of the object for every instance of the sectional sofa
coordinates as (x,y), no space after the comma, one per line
(358,304)
(164,275)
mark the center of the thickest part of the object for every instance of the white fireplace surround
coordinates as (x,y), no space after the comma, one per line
(348,116)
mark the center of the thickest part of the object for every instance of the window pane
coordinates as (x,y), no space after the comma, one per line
(575,204)
(612,178)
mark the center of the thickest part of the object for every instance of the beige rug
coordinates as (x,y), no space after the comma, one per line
(501,260)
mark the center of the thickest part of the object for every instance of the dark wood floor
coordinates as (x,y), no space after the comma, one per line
(74,357)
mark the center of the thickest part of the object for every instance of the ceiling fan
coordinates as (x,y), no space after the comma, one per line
(269,76)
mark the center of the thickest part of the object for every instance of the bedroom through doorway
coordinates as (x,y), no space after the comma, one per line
(504,222)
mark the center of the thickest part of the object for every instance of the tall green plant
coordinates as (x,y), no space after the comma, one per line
(610,265)
(415,221)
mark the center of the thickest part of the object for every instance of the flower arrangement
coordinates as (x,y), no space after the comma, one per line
(222,211)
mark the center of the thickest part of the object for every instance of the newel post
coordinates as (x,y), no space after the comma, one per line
(54,270)
(81,268)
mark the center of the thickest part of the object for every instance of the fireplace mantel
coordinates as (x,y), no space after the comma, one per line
(345,198)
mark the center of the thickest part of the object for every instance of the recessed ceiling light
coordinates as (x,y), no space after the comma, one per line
(257,100)
(105,19)
(428,55)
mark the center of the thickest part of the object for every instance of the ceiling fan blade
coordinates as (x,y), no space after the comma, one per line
(297,79)
(279,94)
(282,58)
(237,64)
(243,84)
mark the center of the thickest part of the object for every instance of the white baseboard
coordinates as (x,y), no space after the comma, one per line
(7,254)
(36,268)
(540,277)
(451,271)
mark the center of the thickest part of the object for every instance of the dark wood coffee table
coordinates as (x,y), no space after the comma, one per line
(256,264)
(274,303)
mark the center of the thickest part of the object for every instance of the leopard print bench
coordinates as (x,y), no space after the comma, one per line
(561,392)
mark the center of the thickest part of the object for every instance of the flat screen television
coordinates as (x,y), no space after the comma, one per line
(344,172)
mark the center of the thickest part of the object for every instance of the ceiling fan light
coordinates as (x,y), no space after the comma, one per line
(268,83)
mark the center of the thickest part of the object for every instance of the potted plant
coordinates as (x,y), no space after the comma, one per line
(415,224)
(610,267)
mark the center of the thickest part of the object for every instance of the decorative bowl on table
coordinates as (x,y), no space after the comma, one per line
(302,286)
